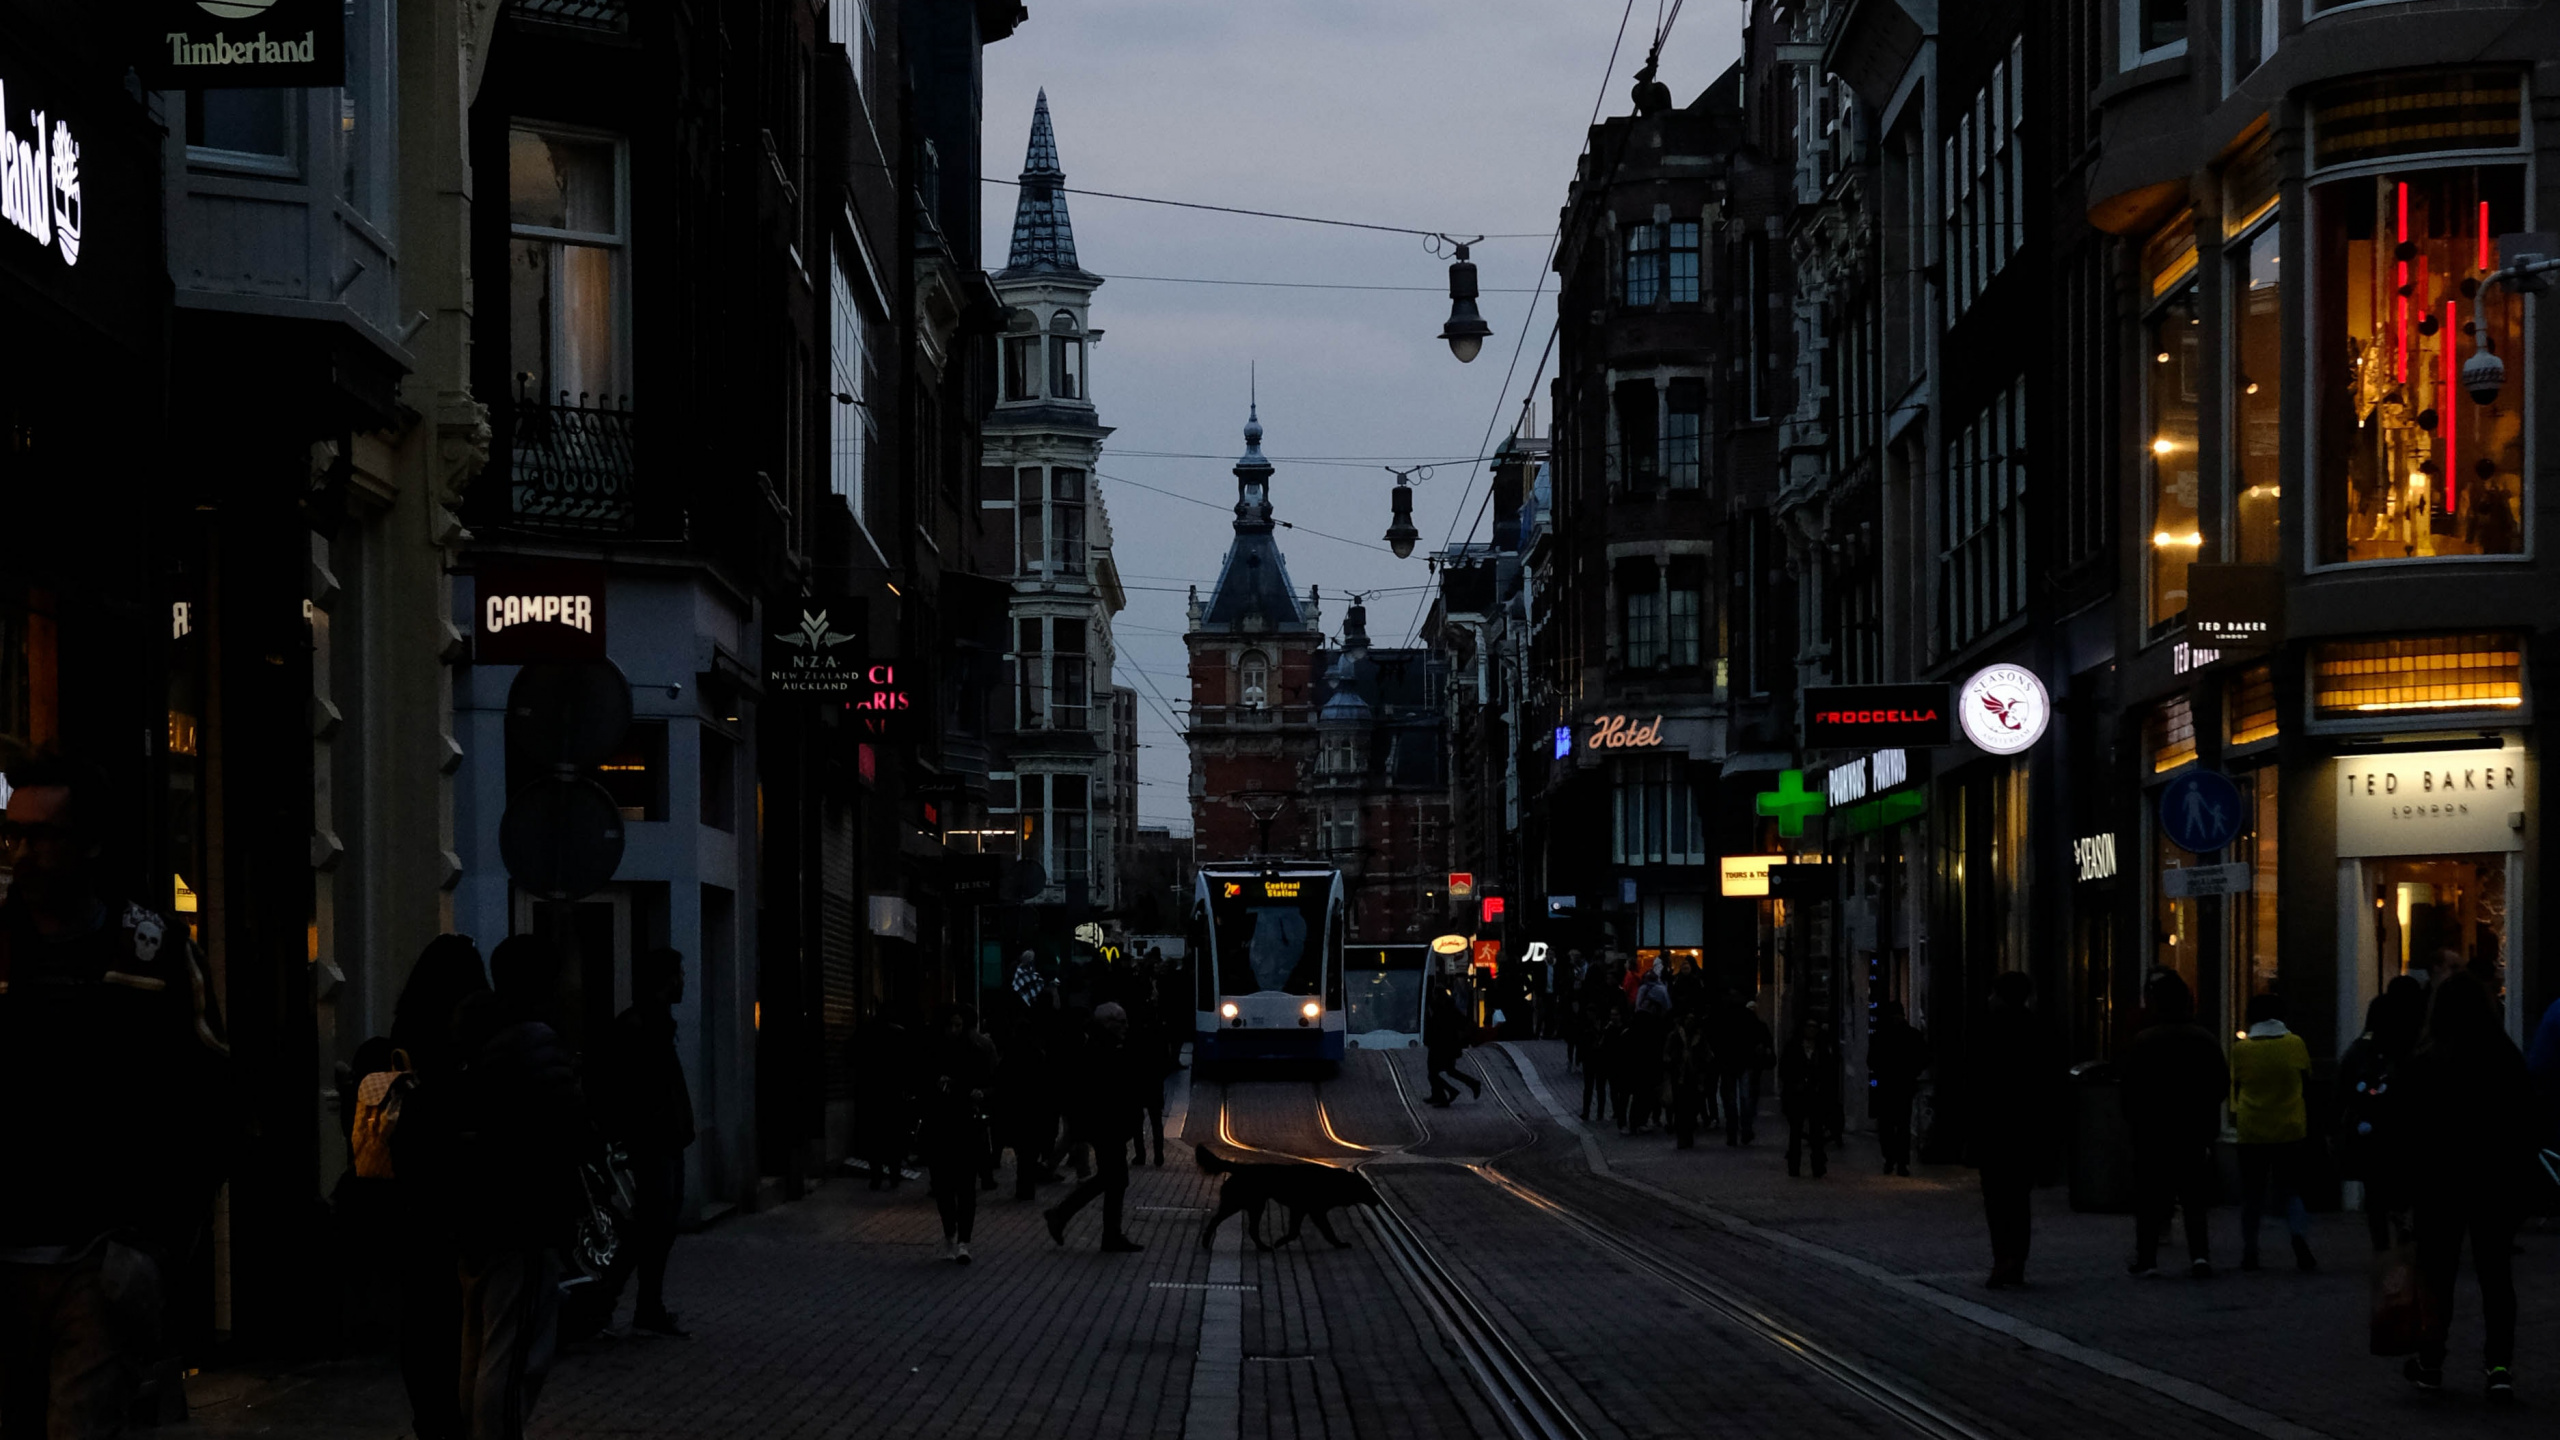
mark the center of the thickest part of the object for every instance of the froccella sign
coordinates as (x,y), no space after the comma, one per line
(220,44)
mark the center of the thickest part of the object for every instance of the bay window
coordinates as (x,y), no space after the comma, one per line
(2408,465)
(2257,394)
(566,320)
(2173,354)
(1684,262)
(1066,359)
(1644,264)
(1684,420)
(1021,367)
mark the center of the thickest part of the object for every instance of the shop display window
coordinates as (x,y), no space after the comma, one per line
(2424,905)
(2174,920)
(2249,706)
(2418,675)
(2169,734)
(2257,394)
(2409,465)
(2252,913)
(2172,369)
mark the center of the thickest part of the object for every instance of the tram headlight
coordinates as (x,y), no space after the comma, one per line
(1311,1009)
(1227,1011)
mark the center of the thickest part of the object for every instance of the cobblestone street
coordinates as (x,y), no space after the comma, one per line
(1646,1298)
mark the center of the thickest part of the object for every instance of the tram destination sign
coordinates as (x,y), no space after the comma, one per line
(1868,717)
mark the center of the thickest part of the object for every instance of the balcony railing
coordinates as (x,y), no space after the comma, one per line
(590,14)
(573,464)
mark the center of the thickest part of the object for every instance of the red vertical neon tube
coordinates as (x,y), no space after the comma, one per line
(2452,402)
(2484,237)
(2400,292)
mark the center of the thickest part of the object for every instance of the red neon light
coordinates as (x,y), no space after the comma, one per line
(2400,294)
(2452,405)
(2484,237)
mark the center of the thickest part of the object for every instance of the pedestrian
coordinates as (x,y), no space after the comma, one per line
(1444,1038)
(1575,1015)
(2463,1129)
(112,1105)
(883,1118)
(409,1212)
(2366,1073)
(636,1084)
(2270,1068)
(1647,1031)
(1101,1112)
(960,1071)
(1607,1039)
(1026,1102)
(524,1127)
(2174,1080)
(1147,1070)
(2017,1075)
(1689,1073)
(1743,1050)
(1809,1091)
(1896,1056)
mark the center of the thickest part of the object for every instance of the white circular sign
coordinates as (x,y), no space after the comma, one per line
(2004,709)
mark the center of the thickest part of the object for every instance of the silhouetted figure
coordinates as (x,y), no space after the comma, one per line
(1689,1072)
(1896,1056)
(2366,1074)
(1445,1032)
(641,1101)
(1809,1090)
(1743,1050)
(1640,1063)
(2017,1078)
(1102,1112)
(2270,1070)
(2173,1083)
(953,1100)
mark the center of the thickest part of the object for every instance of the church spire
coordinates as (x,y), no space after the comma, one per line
(1043,238)
(1253,476)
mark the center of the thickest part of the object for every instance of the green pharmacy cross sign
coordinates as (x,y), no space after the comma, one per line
(1791,803)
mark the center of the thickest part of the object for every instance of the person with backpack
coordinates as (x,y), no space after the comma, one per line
(2270,1068)
(523,1131)
(2366,1073)
(2460,1130)
(2174,1080)
(113,1115)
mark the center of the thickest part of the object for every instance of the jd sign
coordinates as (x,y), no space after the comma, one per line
(1791,803)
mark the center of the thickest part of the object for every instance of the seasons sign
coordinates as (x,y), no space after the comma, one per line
(224,44)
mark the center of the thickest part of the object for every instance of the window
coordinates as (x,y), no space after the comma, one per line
(1684,262)
(1071,821)
(2253,35)
(1639,466)
(1066,359)
(1983,572)
(635,774)
(1985,198)
(1643,609)
(1657,819)
(718,780)
(1066,522)
(1031,483)
(2417,676)
(1683,423)
(848,375)
(2249,706)
(2153,30)
(2257,394)
(2409,466)
(2169,734)
(1755,324)
(1031,670)
(2252,912)
(2173,354)
(1341,753)
(1253,681)
(1687,630)
(1339,833)
(565,319)
(1070,676)
(1644,264)
(1021,367)
(849,25)
(365,110)
(244,129)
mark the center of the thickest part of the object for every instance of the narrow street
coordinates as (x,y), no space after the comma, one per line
(1667,1294)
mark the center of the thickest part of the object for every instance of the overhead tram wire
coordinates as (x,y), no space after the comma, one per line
(1413,628)
(1272,214)
(1214,505)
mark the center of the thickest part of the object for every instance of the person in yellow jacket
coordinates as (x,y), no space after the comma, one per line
(2269,1067)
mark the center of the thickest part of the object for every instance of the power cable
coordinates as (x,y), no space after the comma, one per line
(1275,214)
(1309,285)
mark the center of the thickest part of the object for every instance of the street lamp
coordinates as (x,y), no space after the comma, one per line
(1466,329)
(2484,374)
(1401,535)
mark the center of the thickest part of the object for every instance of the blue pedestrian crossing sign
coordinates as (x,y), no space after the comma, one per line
(2200,811)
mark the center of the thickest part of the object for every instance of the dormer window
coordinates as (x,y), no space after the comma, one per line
(1066,358)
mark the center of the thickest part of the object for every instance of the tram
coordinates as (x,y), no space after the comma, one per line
(1266,942)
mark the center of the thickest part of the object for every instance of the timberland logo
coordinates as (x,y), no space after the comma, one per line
(185,49)
(40,181)
(235,9)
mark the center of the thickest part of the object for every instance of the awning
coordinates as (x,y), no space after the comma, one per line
(1757,760)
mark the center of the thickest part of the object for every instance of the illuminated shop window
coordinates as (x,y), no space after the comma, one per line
(2437,672)
(2172,365)
(2249,705)
(2169,735)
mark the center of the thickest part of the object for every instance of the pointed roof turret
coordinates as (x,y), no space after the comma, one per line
(1253,590)
(1043,238)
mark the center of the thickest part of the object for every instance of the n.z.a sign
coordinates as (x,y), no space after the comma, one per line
(227,44)
(819,654)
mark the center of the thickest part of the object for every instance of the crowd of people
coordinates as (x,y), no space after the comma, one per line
(1064,1073)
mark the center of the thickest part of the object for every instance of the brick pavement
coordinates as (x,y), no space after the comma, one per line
(2280,1341)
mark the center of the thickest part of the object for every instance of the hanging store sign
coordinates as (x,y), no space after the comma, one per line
(1747,876)
(1791,804)
(226,44)
(537,611)
(2004,708)
(1624,732)
(2096,856)
(1858,716)
(884,707)
(2431,803)
(1462,885)
(2235,606)
(1869,775)
(40,180)
(819,655)
(1818,881)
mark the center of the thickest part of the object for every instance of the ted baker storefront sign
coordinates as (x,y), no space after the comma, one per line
(2431,803)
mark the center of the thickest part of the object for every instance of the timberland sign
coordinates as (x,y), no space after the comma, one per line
(226,44)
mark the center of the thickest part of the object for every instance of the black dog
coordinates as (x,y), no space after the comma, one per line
(1308,1191)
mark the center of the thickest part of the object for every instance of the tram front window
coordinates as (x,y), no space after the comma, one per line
(1271,941)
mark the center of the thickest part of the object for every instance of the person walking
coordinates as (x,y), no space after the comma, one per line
(637,1087)
(2270,1066)
(1743,1050)
(1444,1039)
(2016,1075)
(2463,1129)
(959,1072)
(1809,1093)
(1896,1056)
(2366,1073)
(1689,1073)
(524,1124)
(1102,1112)
(1026,1103)
(1647,1031)
(1607,1040)
(2173,1088)
(112,1109)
